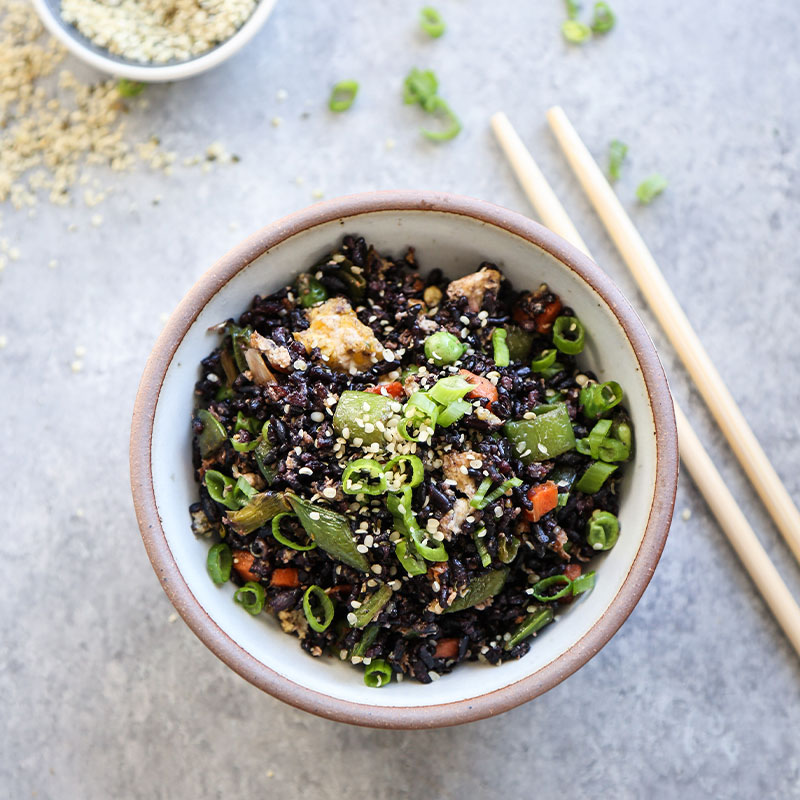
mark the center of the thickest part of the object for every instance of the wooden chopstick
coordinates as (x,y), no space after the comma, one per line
(675,324)
(697,461)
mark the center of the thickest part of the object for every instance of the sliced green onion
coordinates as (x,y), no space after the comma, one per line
(242,493)
(420,404)
(598,399)
(507,549)
(568,335)
(342,95)
(365,642)
(268,470)
(538,590)
(563,498)
(220,488)
(479,590)
(437,104)
(495,494)
(213,434)
(240,342)
(544,360)
(650,187)
(330,530)
(404,550)
(435,552)
(573,8)
(425,427)
(448,390)
(479,498)
(370,470)
(617,151)
(431,22)
(420,87)
(602,530)
(480,545)
(444,348)
(249,424)
(500,347)
(583,583)
(309,290)
(284,540)
(532,623)
(219,562)
(519,343)
(604,18)
(454,412)
(575,32)
(377,673)
(128,88)
(316,621)
(399,462)
(243,447)
(371,607)
(590,446)
(595,476)
(223,393)
(251,597)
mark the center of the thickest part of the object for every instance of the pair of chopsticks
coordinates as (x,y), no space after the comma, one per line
(665,307)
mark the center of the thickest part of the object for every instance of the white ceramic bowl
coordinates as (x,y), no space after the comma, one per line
(99,58)
(455,234)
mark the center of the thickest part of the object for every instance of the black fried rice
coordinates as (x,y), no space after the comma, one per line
(359,322)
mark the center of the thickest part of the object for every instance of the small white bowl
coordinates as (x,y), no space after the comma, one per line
(455,234)
(99,58)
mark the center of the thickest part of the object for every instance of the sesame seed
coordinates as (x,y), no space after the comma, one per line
(329,492)
(388,355)
(352,619)
(362,548)
(377,569)
(313,515)
(305,471)
(542,448)
(317,416)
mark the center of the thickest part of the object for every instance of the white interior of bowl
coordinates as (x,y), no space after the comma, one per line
(456,244)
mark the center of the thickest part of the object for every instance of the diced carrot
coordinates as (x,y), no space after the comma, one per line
(446,648)
(286,578)
(242,561)
(572,571)
(483,386)
(544,319)
(544,498)
(394,389)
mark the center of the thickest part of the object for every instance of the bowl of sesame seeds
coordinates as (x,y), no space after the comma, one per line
(150,41)
(478,611)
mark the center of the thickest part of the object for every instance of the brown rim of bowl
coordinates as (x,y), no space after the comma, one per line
(417,717)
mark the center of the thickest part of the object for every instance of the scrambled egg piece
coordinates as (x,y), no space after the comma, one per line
(474,287)
(346,344)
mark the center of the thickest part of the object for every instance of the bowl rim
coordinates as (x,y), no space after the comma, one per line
(394,717)
(101,59)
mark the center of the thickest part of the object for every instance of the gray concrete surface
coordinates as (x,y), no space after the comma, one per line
(105,695)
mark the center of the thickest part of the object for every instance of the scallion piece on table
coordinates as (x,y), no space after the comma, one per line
(650,187)
(219,562)
(568,335)
(319,619)
(343,95)
(532,623)
(127,88)
(330,530)
(364,476)
(420,86)
(480,545)
(370,608)
(602,530)
(285,540)
(377,673)
(595,476)
(598,399)
(431,22)
(452,128)
(575,32)
(213,435)
(583,583)
(443,348)
(573,9)
(251,597)
(604,19)
(500,347)
(617,151)
(540,589)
